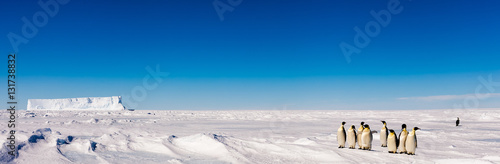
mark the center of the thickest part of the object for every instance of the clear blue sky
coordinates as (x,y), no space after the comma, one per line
(264,55)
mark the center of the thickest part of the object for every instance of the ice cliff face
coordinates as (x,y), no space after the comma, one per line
(88,103)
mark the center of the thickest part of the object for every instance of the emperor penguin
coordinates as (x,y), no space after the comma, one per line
(392,141)
(458,121)
(360,131)
(411,142)
(402,139)
(383,134)
(367,138)
(351,137)
(341,137)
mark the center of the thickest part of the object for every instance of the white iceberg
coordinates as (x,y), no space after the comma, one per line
(87,103)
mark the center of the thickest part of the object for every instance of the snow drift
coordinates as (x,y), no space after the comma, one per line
(88,103)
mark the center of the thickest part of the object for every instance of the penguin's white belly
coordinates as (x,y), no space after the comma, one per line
(402,143)
(351,139)
(341,137)
(411,144)
(383,137)
(360,140)
(367,140)
(391,143)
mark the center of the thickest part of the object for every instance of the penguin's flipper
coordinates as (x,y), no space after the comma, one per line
(355,137)
(416,145)
(345,136)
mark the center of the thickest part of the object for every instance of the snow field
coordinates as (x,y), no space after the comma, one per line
(247,136)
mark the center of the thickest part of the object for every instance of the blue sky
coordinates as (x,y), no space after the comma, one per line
(262,55)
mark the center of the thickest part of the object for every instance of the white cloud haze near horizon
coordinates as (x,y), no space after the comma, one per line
(451,97)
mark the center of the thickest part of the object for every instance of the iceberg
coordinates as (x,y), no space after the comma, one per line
(87,103)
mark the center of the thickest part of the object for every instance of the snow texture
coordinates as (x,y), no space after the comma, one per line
(87,103)
(46,136)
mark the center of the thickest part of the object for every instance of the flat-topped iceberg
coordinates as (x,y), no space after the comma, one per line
(87,103)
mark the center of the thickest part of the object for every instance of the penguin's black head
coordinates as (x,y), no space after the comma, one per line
(366,126)
(416,128)
(362,123)
(403,126)
(343,123)
(353,127)
(391,131)
(383,122)
(458,118)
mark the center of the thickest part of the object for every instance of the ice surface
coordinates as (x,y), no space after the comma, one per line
(283,136)
(88,103)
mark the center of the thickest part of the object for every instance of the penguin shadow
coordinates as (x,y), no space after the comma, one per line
(372,150)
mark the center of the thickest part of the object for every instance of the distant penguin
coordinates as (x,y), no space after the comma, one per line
(341,137)
(402,139)
(351,137)
(367,138)
(360,131)
(392,141)
(458,121)
(383,134)
(411,142)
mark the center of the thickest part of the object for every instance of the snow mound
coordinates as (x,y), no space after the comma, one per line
(53,146)
(88,103)
(202,144)
(304,141)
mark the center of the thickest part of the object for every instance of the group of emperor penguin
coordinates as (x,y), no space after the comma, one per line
(406,142)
